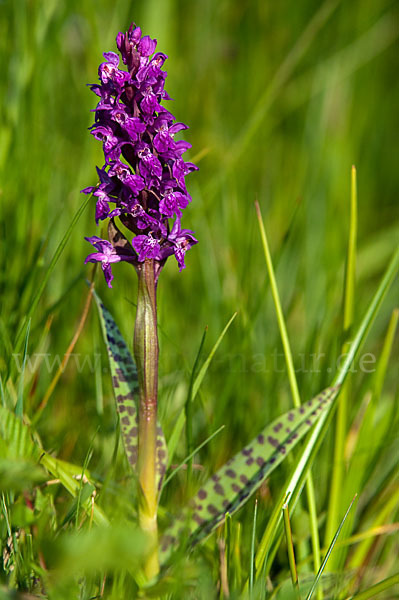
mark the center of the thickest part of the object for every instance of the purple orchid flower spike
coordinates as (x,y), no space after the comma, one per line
(143,179)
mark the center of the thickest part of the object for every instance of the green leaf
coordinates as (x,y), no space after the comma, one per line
(126,389)
(16,443)
(18,475)
(15,438)
(228,489)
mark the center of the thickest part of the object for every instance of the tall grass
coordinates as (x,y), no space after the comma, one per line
(282,99)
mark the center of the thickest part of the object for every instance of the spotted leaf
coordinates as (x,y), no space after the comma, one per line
(229,488)
(126,389)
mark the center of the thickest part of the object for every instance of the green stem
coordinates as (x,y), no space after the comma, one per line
(145,347)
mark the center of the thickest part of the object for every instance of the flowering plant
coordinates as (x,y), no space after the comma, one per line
(143,179)
(143,184)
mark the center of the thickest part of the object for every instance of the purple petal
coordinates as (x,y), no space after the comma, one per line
(112,58)
(147,46)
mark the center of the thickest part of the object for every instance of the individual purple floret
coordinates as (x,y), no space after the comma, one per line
(106,254)
(143,179)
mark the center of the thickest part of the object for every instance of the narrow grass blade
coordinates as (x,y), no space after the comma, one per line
(372,592)
(50,268)
(125,385)
(19,409)
(252,554)
(178,428)
(2,394)
(313,521)
(39,411)
(228,544)
(279,312)
(290,550)
(228,489)
(296,480)
(205,366)
(385,354)
(188,406)
(342,409)
(381,517)
(190,456)
(327,556)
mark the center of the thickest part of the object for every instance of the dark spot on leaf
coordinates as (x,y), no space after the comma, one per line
(202,494)
(218,489)
(215,477)
(212,509)
(249,461)
(260,461)
(261,438)
(115,382)
(277,427)
(231,473)
(290,416)
(167,541)
(121,374)
(247,451)
(244,479)
(235,487)
(272,441)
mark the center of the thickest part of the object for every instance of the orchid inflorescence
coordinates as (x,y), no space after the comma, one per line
(148,186)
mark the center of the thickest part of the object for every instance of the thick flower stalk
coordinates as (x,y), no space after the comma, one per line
(142,183)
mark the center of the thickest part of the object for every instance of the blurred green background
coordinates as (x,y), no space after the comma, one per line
(281,99)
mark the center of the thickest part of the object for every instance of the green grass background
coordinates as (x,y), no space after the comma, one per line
(281,99)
